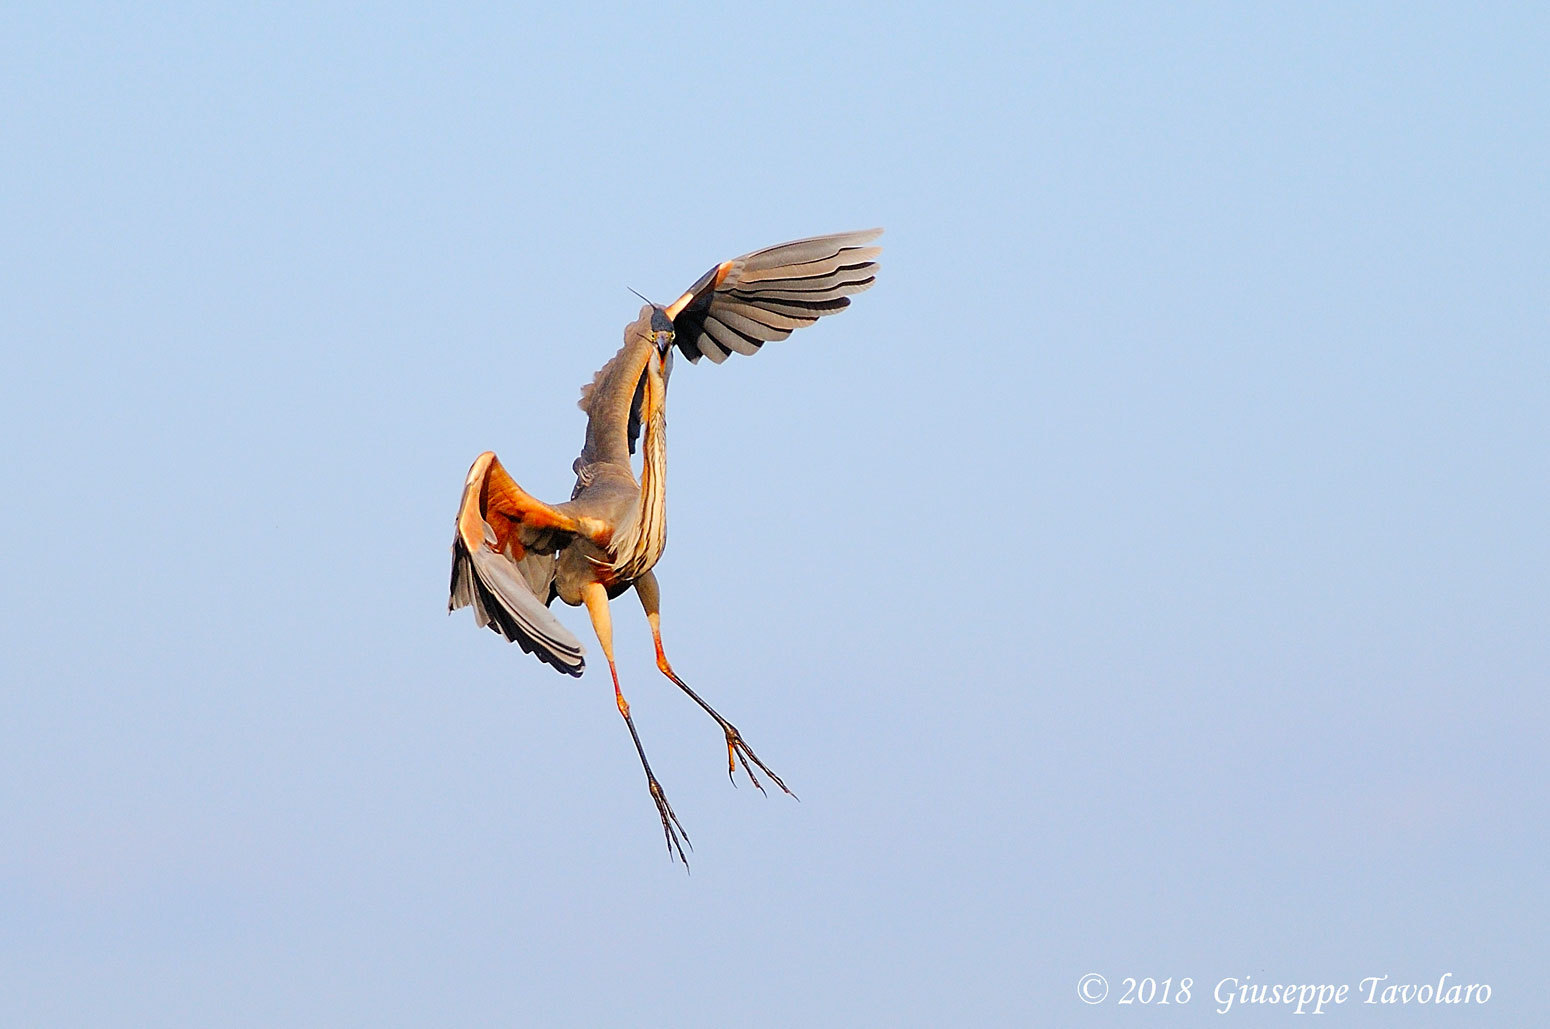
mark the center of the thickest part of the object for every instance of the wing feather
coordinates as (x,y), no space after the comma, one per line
(741,304)
(815,248)
(791,289)
(751,329)
(811,309)
(709,347)
(764,316)
(503,564)
(731,338)
(849,258)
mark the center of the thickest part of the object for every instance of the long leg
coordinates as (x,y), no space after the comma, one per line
(596,598)
(651,599)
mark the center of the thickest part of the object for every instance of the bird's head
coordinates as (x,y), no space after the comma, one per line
(661,329)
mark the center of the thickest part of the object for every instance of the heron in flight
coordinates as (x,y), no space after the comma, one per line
(513,555)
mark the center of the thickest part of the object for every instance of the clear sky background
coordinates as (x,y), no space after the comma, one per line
(1150,576)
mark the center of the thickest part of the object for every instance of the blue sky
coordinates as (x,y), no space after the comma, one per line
(1149,576)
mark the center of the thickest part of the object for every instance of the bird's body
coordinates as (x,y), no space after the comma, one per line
(513,555)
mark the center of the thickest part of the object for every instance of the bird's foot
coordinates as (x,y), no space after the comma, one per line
(737,751)
(670,826)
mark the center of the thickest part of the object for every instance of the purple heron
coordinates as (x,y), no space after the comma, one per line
(513,555)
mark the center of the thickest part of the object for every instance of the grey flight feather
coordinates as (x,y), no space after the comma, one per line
(503,598)
(764,295)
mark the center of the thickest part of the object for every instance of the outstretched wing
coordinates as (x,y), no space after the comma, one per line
(741,304)
(503,563)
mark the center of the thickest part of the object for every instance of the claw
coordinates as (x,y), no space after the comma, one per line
(738,749)
(671,828)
